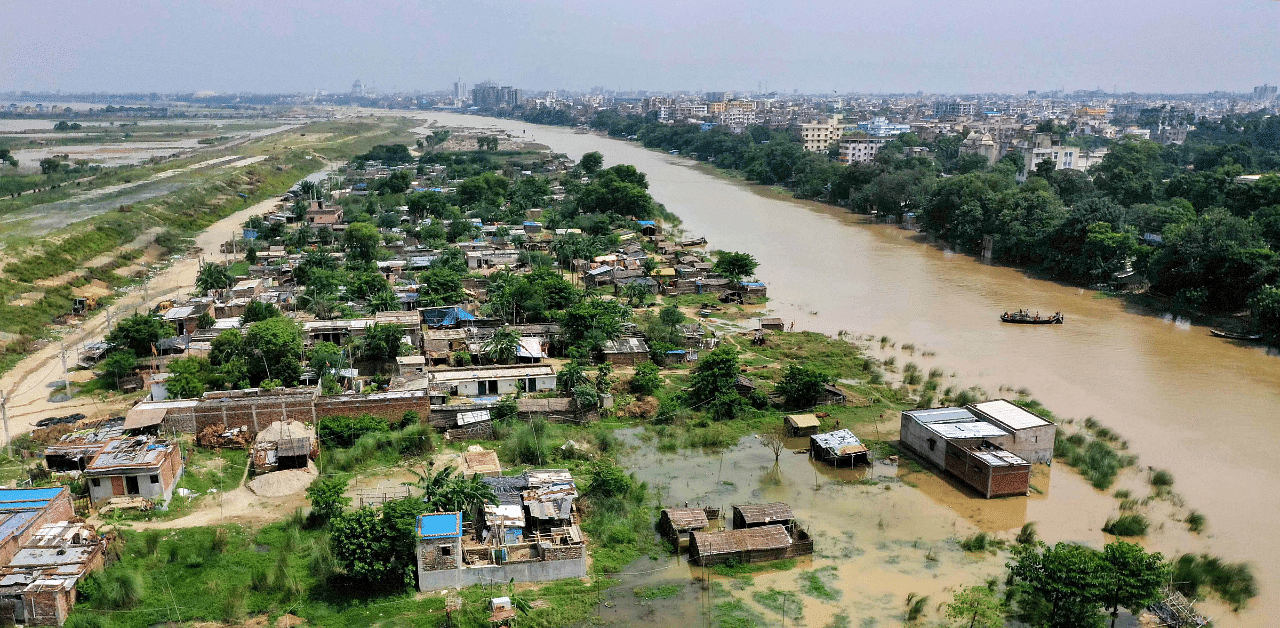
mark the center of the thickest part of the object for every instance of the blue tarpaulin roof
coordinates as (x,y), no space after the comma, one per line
(647,223)
(24,498)
(440,525)
(440,316)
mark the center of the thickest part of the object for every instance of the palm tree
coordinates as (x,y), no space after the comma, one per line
(213,277)
(442,491)
(503,345)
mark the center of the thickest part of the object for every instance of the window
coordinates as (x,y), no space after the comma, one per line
(446,550)
(1035,439)
(155,479)
(95,482)
(933,442)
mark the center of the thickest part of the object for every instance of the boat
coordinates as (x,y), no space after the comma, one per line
(1023,317)
(1231,335)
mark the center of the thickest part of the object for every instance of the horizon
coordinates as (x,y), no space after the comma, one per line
(759,47)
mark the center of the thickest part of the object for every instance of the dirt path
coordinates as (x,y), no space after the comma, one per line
(26,384)
(236,506)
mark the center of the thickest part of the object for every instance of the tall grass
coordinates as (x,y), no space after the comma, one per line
(1096,460)
(381,449)
(1233,582)
(1129,524)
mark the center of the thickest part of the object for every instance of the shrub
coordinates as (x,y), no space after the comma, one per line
(1132,524)
(1161,479)
(1196,521)
(646,381)
(975,543)
(1233,582)
(1027,535)
(343,431)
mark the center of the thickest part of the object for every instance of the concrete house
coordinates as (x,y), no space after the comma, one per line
(135,467)
(23,511)
(1033,435)
(495,380)
(39,581)
(927,432)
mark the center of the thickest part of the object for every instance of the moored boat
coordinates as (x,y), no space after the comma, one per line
(1231,335)
(1023,317)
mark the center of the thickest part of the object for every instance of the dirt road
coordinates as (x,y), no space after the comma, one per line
(27,385)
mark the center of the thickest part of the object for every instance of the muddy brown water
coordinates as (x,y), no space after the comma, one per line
(1201,407)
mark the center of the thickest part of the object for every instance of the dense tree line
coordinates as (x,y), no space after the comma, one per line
(1177,215)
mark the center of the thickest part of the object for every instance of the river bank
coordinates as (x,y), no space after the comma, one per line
(1154,378)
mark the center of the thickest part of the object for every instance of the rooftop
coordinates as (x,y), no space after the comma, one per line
(489,372)
(687,518)
(765,513)
(129,453)
(733,541)
(940,414)
(803,420)
(839,442)
(440,525)
(1009,415)
(967,429)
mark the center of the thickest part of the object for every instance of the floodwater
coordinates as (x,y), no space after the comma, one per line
(880,532)
(1196,405)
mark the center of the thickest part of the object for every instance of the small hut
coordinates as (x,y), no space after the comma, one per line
(481,461)
(756,515)
(676,525)
(753,545)
(802,424)
(839,448)
(771,323)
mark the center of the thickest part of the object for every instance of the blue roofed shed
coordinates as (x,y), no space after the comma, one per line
(445,316)
(439,542)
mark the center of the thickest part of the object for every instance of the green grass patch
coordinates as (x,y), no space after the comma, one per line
(1234,583)
(658,592)
(733,569)
(784,603)
(1129,524)
(735,614)
(820,583)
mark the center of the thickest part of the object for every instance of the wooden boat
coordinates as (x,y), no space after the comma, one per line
(1231,335)
(1022,317)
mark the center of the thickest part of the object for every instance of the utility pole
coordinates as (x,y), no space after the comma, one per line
(66,381)
(4,413)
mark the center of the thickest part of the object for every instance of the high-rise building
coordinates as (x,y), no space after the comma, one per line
(357,88)
(488,95)
(1264,92)
(459,90)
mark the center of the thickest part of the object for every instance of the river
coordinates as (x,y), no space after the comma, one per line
(1199,406)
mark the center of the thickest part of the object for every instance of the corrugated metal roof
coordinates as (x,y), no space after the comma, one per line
(1008,414)
(967,429)
(940,414)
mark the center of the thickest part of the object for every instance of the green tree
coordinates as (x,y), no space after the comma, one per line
(636,293)
(364,546)
(427,204)
(977,607)
(487,188)
(226,346)
(591,162)
(259,311)
(326,358)
(326,494)
(502,345)
(51,165)
(1059,586)
(205,321)
(735,266)
(1130,172)
(802,386)
(1134,578)
(361,241)
(713,384)
(272,349)
(139,333)
(616,190)
(439,287)
(381,343)
(607,480)
(1264,305)
(118,365)
(443,491)
(187,377)
(213,277)
(7,158)
(590,323)
(646,380)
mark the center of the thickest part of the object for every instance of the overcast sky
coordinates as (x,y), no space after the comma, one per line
(819,46)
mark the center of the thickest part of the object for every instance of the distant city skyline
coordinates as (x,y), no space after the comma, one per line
(822,47)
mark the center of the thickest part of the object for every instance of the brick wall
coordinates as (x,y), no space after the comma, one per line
(257,414)
(561,552)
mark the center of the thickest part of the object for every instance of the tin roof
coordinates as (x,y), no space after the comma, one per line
(940,414)
(839,442)
(1009,415)
(966,429)
(764,513)
(768,537)
(129,453)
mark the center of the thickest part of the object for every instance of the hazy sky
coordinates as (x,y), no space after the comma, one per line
(819,46)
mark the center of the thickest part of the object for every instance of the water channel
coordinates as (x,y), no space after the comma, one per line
(1202,407)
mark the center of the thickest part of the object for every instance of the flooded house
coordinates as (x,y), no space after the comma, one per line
(141,466)
(771,323)
(838,449)
(989,469)
(761,532)
(970,448)
(1033,435)
(801,424)
(38,585)
(677,525)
